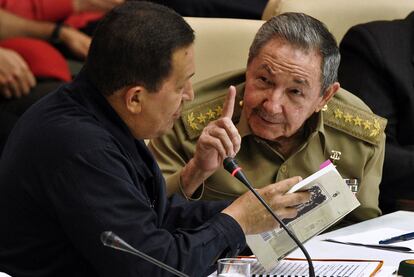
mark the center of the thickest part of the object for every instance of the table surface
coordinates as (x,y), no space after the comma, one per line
(317,248)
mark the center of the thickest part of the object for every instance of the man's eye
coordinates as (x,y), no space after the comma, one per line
(265,80)
(296,91)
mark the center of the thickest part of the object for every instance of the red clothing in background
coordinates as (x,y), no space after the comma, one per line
(49,10)
(45,10)
(41,57)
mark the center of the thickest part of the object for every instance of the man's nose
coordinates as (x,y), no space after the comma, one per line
(188,94)
(274,101)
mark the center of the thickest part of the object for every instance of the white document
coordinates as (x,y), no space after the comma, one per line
(322,268)
(373,237)
(331,200)
(386,271)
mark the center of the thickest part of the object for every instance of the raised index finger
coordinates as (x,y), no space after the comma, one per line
(228,107)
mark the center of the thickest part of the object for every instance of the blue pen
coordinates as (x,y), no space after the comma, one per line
(399,238)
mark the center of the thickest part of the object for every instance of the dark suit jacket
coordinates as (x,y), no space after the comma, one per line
(249,9)
(70,170)
(377,65)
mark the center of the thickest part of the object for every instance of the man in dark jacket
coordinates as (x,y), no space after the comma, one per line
(75,164)
(377,65)
(217,8)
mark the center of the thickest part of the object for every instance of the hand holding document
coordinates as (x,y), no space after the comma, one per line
(330,201)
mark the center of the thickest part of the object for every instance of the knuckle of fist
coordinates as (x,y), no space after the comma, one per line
(17,71)
(221,132)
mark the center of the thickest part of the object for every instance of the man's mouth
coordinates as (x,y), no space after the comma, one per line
(271,119)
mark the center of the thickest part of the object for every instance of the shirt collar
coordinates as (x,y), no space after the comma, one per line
(87,95)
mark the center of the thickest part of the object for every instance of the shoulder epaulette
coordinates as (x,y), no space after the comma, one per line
(196,118)
(354,121)
(208,105)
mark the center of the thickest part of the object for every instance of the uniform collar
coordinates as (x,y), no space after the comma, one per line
(319,127)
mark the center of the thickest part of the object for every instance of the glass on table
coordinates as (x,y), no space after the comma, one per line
(233,267)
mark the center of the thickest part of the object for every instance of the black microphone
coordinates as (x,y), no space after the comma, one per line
(235,170)
(110,239)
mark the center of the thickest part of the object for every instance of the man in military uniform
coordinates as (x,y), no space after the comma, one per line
(289,117)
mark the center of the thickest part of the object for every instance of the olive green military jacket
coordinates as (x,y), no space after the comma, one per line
(346,132)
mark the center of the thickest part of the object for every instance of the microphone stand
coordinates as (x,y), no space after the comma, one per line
(235,170)
(110,239)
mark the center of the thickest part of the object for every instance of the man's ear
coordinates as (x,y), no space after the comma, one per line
(133,99)
(329,93)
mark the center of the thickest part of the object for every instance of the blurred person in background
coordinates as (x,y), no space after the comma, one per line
(377,65)
(36,38)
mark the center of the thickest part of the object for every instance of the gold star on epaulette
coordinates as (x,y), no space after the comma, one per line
(348,117)
(338,113)
(357,121)
(376,128)
(190,120)
(201,118)
(211,114)
(354,121)
(218,110)
(196,117)
(374,133)
(367,124)
(377,125)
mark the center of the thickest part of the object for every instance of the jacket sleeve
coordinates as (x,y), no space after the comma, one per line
(94,192)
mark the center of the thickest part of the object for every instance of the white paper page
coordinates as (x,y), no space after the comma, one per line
(386,271)
(322,268)
(374,236)
(302,184)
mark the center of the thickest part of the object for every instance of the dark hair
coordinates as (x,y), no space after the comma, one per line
(306,33)
(133,45)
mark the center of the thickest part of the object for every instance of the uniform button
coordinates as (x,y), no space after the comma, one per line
(283,168)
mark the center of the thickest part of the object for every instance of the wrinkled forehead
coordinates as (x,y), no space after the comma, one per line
(274,44)
(281,55)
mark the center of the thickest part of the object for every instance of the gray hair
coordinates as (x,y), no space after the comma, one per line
(305,32)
